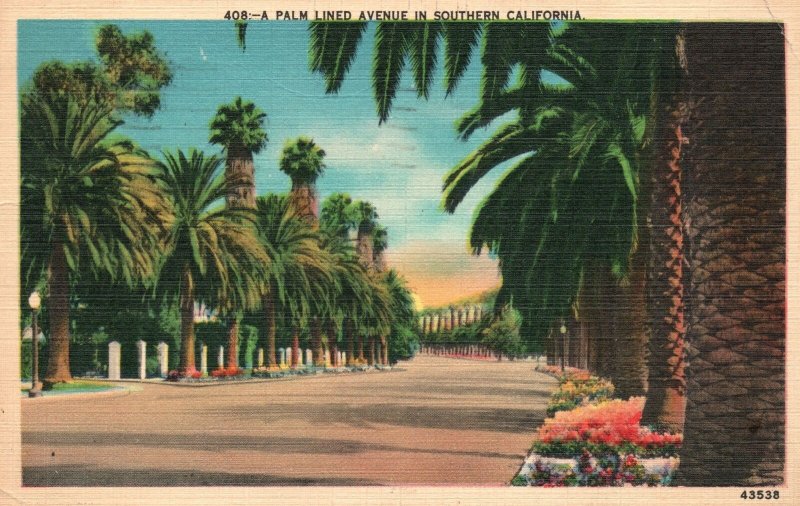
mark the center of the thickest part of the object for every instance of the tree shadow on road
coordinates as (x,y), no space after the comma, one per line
(85,476)
(276,444)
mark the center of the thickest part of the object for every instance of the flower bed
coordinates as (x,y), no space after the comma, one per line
(228,372)
(573,393)
(597,443)
(189,374)
(589,471)
(609,427)
(568,373)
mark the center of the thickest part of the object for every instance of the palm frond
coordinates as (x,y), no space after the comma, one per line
(332,49)
(460,40)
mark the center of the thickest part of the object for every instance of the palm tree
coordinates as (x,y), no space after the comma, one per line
(722,325)
(212,254)
(90,202)
(302,161)
(380,242)
(401,306)
(336,217)
(735,214)
(599,145)
(365,217)
(238,128)
(297,263)
(353,296)
(666,393)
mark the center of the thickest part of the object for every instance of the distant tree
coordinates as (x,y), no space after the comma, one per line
(502,335)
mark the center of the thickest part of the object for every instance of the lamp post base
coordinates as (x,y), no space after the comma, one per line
(36,390)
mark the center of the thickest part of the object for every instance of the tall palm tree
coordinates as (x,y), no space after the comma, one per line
(239,128)
(336,216)
(365,217)
(213,254)
(736,224)
(354,291)
(597,143)
(297,263)
(666,394)
(380,242)
(302,161)
(401,306)
(89,201)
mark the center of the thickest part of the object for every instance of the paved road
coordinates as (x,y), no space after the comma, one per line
(437,421)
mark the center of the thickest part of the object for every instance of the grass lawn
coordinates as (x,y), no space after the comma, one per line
(75,387)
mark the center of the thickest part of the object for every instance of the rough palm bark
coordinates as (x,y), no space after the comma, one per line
(269,315)
(598,304)
(371,356)
(736,205)
(241,194)
(630,328)
(364,248)
(187,323)
(317,354)
(233,344)
(666,395)
(350,330)
(58,358)
(305,202)
(361,358)
(384,350)
(295,346)
(240,179)
(332,345)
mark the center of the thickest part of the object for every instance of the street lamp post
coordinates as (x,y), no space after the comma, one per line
(34,301)
(564,345)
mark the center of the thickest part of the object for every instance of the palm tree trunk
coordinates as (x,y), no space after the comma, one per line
(630,326)
(371,356)
(269,314)
(583,361)
(304,201)
(332,345)
(364,246)
(295,347)
(316,342)
(385,350)
(233,343)
(240,179)
(187,323)
(736,207)
(360,347)
(666,396)
(58,305)
(350,330)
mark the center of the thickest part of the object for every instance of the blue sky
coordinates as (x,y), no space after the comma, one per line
(398,166)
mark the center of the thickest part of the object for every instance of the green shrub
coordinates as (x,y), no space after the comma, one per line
(502,335)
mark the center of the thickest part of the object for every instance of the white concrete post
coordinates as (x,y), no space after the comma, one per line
(141,347)
(163,365)
(114,349)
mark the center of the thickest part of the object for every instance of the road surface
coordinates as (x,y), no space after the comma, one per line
(431,421)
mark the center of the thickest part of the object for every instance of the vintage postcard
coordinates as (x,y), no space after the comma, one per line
(399,253)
